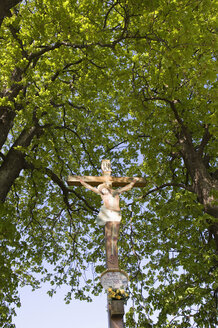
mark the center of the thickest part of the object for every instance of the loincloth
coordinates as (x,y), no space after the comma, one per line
(106,215)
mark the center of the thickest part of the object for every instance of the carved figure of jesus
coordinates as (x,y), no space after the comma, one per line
(110,210)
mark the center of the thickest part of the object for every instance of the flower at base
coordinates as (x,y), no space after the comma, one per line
(117,294)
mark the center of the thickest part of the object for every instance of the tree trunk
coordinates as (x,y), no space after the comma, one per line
(5,6)
(6,122)
(204,184)
(14,162)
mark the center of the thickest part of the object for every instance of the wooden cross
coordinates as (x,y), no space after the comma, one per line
(115,309)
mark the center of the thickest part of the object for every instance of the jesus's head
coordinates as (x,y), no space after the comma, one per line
(104,189)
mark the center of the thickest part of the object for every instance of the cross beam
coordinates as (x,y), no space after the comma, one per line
(73,180)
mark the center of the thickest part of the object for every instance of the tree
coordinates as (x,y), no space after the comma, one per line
(134,82)
(5,8)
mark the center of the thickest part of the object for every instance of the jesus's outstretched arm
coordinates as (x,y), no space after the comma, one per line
(86,185)
(127,187)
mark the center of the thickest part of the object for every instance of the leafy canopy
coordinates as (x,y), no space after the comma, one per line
(134,82)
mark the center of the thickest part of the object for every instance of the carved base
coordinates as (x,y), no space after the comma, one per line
(116,307)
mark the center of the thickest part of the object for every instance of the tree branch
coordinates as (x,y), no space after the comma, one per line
(170,184)
(61,184)
(206,137)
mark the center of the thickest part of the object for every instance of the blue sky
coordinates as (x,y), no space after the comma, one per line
(40,310)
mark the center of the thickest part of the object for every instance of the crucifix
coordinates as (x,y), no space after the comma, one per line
(110,216)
